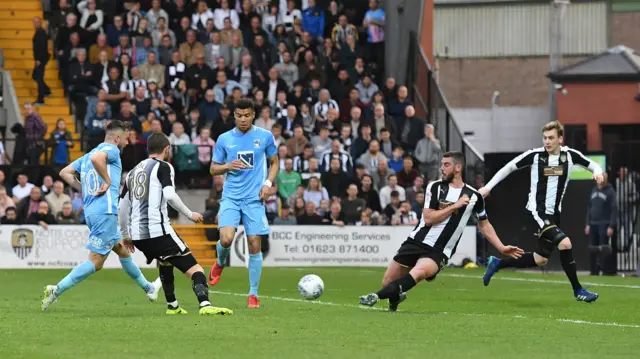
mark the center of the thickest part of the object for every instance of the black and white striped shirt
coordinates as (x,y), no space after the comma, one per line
(148,217)
(444,236)
(174,73)
(321,109)
(344,157)
(132,85)
(549,177)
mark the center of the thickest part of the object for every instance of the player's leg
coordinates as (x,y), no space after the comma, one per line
(394,271)
(569,266)
(99,249)
(79,273)
(255,269)
(407,256)
(168,286)
(424,268)
(228,221)
(188,265)
(255,223)
(133,271)
(528,259)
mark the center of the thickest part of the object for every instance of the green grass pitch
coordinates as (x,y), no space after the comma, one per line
(517,316)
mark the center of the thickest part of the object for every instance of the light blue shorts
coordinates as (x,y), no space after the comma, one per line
(252,212)
(103,233)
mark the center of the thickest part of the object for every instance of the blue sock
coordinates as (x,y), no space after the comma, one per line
(223,254)
(77,275)
(255,271)
(131,268)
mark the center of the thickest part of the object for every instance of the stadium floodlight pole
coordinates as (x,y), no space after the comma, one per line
(558,10)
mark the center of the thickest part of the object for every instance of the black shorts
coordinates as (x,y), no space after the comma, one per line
(546,229)
(162,248)
(411,251)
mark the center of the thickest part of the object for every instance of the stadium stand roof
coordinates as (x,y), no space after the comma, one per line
(618,63)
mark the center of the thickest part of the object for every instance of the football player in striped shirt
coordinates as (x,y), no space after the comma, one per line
(551,166)
(449,204)
(144,222)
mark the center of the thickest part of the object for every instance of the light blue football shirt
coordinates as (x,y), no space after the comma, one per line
(91,181)
(253,148)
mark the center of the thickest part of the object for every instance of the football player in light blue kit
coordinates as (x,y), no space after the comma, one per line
(100,174)
(242,155)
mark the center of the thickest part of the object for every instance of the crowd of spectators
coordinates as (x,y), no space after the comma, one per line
(26,203)
(351,148)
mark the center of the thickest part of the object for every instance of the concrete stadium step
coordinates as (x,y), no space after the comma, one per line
(19,74)
(22,5)
(53,118)
(20,14)
(30,84)
(17,54)
(18,43)
(27,65)
(28,93)
(53,110)
(23,34)
(12,24)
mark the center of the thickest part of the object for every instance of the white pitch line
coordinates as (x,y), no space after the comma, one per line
(332,304)
(296,300)
(550,281)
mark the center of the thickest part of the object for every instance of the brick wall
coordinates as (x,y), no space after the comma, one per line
(625,29)
(469,83)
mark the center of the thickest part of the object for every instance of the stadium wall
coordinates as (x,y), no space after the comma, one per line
(504,129)
(504,46)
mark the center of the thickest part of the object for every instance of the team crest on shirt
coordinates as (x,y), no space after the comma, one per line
(256,143)
(247,158)
(444,204)
(563,158)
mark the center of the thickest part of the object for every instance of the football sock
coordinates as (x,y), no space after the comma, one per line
(77,275)
(255,271)
(200,288)
(131,268)
(569,266)
(166,276)
(392,290)
(525,261)
(223,253)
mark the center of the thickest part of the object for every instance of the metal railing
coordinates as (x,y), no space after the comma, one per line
(429,99)
(11,106)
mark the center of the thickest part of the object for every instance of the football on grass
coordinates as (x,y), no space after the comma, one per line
(311,286)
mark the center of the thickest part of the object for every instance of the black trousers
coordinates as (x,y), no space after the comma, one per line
(38,76)
(33,155)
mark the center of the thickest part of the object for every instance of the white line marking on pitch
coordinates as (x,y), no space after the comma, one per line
(515,279)
(318,302)
(551,281)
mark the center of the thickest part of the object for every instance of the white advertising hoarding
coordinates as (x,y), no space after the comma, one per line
(366,246)
(59,246)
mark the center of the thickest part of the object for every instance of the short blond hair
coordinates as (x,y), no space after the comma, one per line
(554,125)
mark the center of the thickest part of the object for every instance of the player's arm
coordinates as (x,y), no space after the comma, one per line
(271,151)
(218,165)
(99,162)
(432,213)
(523,160)
(487,230)
(68,174)
(166,176)
(124,213)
